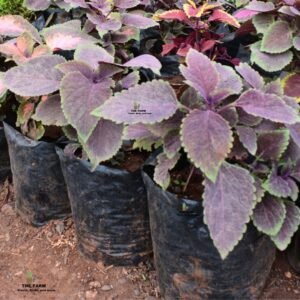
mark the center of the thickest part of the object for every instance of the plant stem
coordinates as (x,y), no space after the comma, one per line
(189,178)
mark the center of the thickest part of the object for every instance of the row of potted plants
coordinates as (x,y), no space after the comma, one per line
(223,134)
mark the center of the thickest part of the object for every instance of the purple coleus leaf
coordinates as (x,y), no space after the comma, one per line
(104,24)
(49,112)
(137,131)
(295,133)
(207,139)
(145,61)
(229,83)
(228,205)
(268,106)
(289,227)
(278,38)
(35,78)
(36,5)
(247,136)
(172,143)
(200,73)
(281,186)
(262,22)
(272,144)
(138,21)
(164,164)
(269,214)
(148,103)
(126,3)
(104,142)
(274,87)
(251,76)
(92,55)
(76,66)
(130,80)
(270,62)
(14,26)
(296,42)
(80,96)
(66,36)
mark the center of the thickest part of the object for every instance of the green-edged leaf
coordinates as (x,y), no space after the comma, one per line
(3,88)
(49,112)
(35,78)
(259,190)
(262,22)
(104,142)
(296,42)
(272,144)
(164,164)
(74,66)
(148,103)
(289,227)
(207,139)
(278,38)
(172,143)
(80,96)
(268,106)
(251,76)
(281,186)
(228,205)
(270,62)
(36,5)
(247,136)
(269,214)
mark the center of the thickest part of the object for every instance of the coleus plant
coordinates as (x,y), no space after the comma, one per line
(117,21)
(277,26)
(235,129)
(198,30)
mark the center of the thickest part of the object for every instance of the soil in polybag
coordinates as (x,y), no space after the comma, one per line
(188,264)
(5,171)
(39,186)
(110,212)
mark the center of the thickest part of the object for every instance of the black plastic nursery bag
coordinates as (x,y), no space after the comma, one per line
(40,189)
(110,212)
(188,264)
(5,171)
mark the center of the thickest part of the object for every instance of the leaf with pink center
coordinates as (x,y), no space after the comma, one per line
(79,100)
(224,17)
(104,142)
(37,5)
(37,77)
(145,61)
(14,26)
(269,214)
(278,38)
(138,21)
(289,227)
(272,144)
(207,139)
(281,186)
(251,76)
(268,106)
(161,173)
(270,62)
(247,136)
(200,73)
(229,83)
(92,55)
(148,103)
(173,14)
(228,205)
(245,14)
(66,36)
(49,112)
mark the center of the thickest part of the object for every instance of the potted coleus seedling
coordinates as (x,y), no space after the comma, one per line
(108,202)
(223,148)
(39,185)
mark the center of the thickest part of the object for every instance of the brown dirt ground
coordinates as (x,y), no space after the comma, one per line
(48,255)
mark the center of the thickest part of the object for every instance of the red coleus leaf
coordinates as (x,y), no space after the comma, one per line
(174,14)
(223,16)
